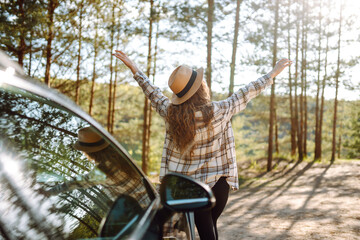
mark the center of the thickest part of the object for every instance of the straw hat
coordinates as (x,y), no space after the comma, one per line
(184,82)
(89,141)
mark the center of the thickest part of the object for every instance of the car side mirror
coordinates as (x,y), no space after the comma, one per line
(181,193)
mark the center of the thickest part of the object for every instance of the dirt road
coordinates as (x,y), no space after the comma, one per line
(305,201)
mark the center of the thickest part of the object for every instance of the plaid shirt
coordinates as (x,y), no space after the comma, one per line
(213,156)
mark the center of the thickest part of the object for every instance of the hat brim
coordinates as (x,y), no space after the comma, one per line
(197,83)
(88,149)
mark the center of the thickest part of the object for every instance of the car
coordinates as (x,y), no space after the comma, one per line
(53,189)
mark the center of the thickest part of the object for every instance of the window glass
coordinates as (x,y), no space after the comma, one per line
(55,181)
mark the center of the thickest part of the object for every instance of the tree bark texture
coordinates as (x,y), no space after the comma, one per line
(322,97)
(94,66)
(305,85)
(209,25)
(77,88)
(22,45)
(317,110)
(291,105)
(297,117)
(337,75)
(112,36)
(147,106)
(272,97)
(52,4)
(234,47)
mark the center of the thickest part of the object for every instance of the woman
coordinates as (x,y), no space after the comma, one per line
(199,140)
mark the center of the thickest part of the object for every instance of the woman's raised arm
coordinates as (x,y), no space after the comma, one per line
(126,60)
(158,100)
(238,100)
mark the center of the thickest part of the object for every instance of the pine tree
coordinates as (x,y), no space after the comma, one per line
(337,75)
(80,27)
(297,100)
(317,154)
(234,47)
(209,25)
(51,6)
(305,70)
(272,97)
(96,8)
(147,106)
(19,20)
(291,105)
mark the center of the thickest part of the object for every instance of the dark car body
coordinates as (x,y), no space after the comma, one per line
(50,190)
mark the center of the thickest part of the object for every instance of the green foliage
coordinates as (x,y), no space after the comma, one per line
(20,21)
(353,142)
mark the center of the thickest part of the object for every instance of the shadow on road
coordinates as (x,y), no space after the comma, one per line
(316,185)
(288,183)
(271,193)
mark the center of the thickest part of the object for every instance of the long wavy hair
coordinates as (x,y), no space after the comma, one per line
(181,119)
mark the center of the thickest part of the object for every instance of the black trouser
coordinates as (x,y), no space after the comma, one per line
(206,220)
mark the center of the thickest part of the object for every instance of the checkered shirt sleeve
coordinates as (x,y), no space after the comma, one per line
(158,100)
(239,100)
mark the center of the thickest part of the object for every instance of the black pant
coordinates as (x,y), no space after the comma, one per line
(206,220)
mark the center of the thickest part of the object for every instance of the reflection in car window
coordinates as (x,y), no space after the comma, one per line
(56,189)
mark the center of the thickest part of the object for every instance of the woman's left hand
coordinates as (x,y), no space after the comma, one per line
(280,66)
(126,60)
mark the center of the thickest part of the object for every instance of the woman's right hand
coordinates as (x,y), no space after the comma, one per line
(279,67)
(126,60)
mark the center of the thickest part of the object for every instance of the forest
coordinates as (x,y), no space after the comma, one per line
(312,112)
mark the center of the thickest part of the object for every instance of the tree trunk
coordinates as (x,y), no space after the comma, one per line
(336,90)
(234,47)
(113,102)
(292,117)
(52,4)
(112,120)
(147,106)
(339,147)
(111,68)
(22,45)
(305,86)
(155,50)
(153,77)
(114,88)
(30,52)
(77,87)
(316,151)
(144,156)
(272,98)
(299,137)
(322,97)
(276,131)
(301,134)
(209,25)
(94,65)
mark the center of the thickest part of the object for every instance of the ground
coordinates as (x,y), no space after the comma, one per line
(302,201)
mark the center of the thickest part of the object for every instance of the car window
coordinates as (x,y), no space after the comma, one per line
(49,188)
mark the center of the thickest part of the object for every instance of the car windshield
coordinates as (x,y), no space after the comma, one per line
(49,187)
